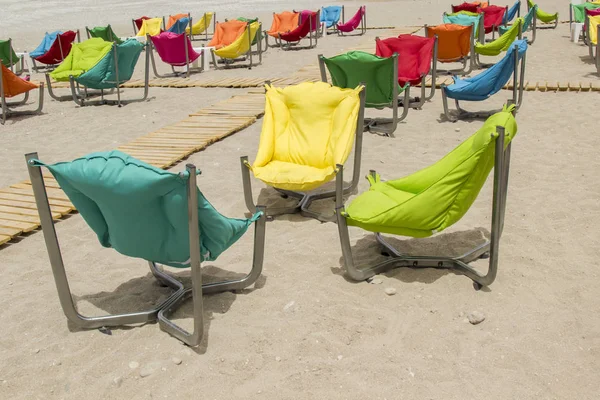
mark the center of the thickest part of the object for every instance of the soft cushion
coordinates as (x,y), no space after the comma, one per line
(436,197)
(141,211)
(83,57)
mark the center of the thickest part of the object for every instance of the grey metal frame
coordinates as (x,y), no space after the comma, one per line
(188,70)
(312,34)
(50,67)
(590,45)
(83,100)
(6,105)
(371,123)
(206,38)
(468,62)
(81,93)
(363,25)
(306,198)
(243,57)
(461,263)
(481,64)
(517,94)
(180,294)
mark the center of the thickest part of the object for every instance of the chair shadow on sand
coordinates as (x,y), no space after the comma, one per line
(367,251)
(145,292)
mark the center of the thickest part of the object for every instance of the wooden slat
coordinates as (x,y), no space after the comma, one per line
(25,226)
(10,231)
(4,239)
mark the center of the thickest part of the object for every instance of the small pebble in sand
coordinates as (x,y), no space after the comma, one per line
(375,280)
(36,351)
(176,360)
(118,381)
(146,371)
(476,317)
(134,364)
(277,358)
(457,130)
(390,291)
(340,357)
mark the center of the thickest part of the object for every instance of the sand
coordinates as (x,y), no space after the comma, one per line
(304,331)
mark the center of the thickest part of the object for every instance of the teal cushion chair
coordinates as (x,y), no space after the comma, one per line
(379,75)
(147,213)
(433,199)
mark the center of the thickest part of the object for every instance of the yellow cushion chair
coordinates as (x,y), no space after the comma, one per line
(591,29)
(240,47)
(152,27)
(201,27)
(308,129)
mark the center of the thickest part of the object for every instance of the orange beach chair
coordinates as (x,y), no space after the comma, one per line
(282,23)
(455,44)
(10,86)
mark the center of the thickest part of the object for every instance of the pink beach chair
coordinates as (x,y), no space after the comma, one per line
(177,51)
(308,27)
(359,19)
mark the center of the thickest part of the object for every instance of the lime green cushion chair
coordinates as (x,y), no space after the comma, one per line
(105,33)
(543,16)
(103,75)
(434,198)
(502,43)
(141,211)
(82,57)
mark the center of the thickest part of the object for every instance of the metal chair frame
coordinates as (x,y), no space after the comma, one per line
(6,105)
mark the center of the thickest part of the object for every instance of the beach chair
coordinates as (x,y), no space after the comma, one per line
(232,42)
(9,57)
(529,24)
(593,38)
(259,35)
(179,23)
(11,86)
(103,32)
(501,44)
(489,82)
(380,75)
(359,19)
(466,18)
(545,17)
(54,48)
(177,51)
(492,18)
(201,27)
(308,28)
(418,60)
(455,44)
(137,23)
(431,200)
(98,68)
(470,7)
(151,27)
(513,12)
(307,130)
(330,16)
(143,212)
(282,23)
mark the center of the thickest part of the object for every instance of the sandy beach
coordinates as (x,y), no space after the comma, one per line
(304,331)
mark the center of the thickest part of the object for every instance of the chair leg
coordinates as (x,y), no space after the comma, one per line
(198,289)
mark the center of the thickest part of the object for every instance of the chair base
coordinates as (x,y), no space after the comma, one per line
(8,112)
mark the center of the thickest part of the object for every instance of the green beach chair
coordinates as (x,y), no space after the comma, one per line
(101,65)
(103,32)
(500,45)
(380,76)
(433,199)
(545,17)
(150,214)
(9,57)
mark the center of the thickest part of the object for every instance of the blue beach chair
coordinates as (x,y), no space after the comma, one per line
(488,83)
(330,16)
